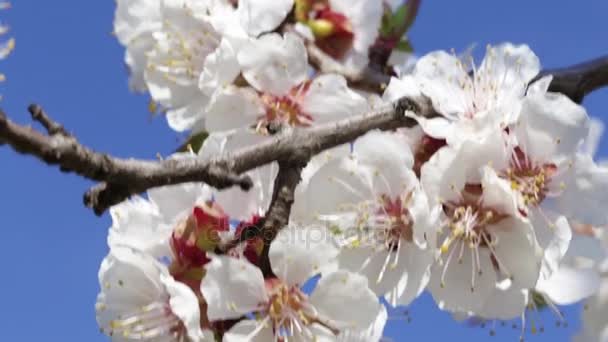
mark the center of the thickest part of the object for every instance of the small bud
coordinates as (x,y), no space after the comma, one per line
(321,28)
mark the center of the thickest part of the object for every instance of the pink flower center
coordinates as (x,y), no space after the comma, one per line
(398,221)
(288,308)
(469,225)
(285,109)
(530,179)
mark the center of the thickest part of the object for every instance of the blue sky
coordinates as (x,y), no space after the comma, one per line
(67,60)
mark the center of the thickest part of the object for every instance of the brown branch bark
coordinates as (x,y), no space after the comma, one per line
(130,176)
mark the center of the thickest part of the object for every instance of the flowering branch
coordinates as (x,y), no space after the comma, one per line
(292,146)
(125,177)
(122,178)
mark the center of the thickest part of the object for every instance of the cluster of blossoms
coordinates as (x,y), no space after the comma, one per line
(489,206)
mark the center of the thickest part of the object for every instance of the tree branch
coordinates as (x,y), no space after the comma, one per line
(133,176)
(579,80)
(277,216)
(297,145)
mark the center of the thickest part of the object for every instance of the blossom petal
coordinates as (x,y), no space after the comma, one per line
(338,293)
(136,59)
(554,236)
(373,333)
(354,258)
(364,17)
(441,78)
(497,193)
(510,67)
(584,196)
(551,124)
(328,99)
(232,287)
(189,116)
(259,16)
(401,87)
(137,223)
(239,204)
(505,304)
(136,17)
(220,69)
(569,285)
(299,210)
(250,331)
(274,64)
(231,108)
(366,149)
(336,183)
(298,253)
(185,305)
(453,292)
(519,257)
(177,201)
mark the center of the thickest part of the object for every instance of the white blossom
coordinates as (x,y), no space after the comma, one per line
(234,287)
(472,105)
(485,242)
(139,300)
(277,69)
(373,203)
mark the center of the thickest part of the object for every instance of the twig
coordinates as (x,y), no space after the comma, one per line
(277,216)
(51,126)
(579,80)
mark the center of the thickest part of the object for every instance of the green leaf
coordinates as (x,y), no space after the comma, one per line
(385,28)
(195,142)
(399,18)
(396,24)
(404,46)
